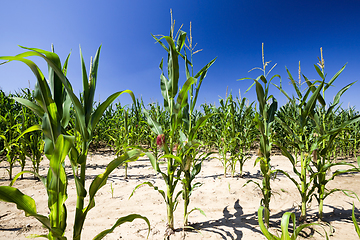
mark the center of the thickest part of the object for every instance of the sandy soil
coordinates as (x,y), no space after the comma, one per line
(231,209)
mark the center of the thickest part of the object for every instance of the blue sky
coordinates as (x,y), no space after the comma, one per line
(232,31)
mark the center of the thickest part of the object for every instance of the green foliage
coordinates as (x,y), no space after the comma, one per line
(176,129)
(264,120)
(285,221)
(53,101)
(356,225)
(237,132)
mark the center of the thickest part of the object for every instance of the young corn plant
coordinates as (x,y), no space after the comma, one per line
(247,136)
(264,120)
(11,138)
(53,107)
(233,116)
(225,138)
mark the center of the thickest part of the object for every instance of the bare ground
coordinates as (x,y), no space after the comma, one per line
(230,207)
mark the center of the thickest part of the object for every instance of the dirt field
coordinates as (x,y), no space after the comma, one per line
(231,209)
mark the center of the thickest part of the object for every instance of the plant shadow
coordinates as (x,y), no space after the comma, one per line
(235,221)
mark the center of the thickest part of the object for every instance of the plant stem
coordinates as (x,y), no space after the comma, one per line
(303,187)
(186,189)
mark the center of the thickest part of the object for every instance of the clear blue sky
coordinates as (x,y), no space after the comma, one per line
(232,31)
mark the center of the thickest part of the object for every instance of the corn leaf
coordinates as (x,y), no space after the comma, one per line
(95,117)
(334,77)
(154,125)
(101,179)
(356,225)
(23,202)
(263,229)
(128,218)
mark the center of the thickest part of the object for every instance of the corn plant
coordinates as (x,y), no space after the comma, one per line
(285,221)
(211,130)
(177,136)
(53,106)
(297,127)
(26,146)
(233,132)
(11,138)
(246,133)
(188,150)
(324,143)
(225,138)
(264,120)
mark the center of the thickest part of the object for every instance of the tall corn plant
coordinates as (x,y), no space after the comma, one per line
(264,120)
(53,106)
(189,147)
(177,137)
(325,145)
(297,126)
(326,134)
(307,136)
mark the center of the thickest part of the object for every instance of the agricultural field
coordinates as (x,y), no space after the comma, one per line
(74,168)
(230,208)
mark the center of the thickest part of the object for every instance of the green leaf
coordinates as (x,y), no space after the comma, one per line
(202,74)
(101,179)
(310,105)
(150,185)
(95,117)
(57,184)
(154,125)
(128,218)
(285,220)
(337,97)
(166,90)
(77,105)
(173,66)
(260,96)
(23,202)
(319,72)
(183,95)
(200,122)
(334,77)
(32,106)
(43,179)
(356,225)
(263,229)
(153,161)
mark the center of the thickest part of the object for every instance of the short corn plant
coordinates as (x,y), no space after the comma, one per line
(285,221)
(225,138)
(236,135)
(177,136)
(11,138)
(247,136)
(53,107)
